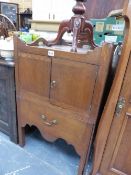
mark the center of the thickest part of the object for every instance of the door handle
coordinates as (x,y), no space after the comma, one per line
(128,115)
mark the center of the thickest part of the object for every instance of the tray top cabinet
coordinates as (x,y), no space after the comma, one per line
(60,92)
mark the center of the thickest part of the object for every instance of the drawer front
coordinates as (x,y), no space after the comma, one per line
(55,123)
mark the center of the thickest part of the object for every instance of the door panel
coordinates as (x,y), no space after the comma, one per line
(121,161)
(117,155)
(4,119)
(61,13)
(73,84)
(41,10)
(37,78)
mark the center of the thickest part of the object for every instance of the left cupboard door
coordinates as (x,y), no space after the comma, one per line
(34,73)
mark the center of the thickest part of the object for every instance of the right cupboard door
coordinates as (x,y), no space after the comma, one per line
(117,155)
(72,84)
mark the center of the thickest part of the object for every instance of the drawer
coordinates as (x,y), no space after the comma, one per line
(53,123)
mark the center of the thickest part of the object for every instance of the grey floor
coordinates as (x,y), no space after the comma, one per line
(38,157)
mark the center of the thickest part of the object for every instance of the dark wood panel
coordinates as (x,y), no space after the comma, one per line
(3,104)
(8,121)
(3,101)
(101,8)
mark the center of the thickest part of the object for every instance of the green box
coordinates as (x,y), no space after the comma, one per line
(110,29)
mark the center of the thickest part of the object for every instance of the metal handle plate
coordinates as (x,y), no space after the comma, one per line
(53,83)
(48,123)
(120,106)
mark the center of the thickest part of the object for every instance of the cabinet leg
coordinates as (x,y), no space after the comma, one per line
(21,132)
(82,164)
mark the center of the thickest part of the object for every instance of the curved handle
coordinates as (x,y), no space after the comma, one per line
(48,123)
(128,115)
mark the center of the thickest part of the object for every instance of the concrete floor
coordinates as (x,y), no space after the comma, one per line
(38,157)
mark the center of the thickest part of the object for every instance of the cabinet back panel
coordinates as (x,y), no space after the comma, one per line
(3,103)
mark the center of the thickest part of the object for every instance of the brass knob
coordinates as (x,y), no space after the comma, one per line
(54,122)
(53,84)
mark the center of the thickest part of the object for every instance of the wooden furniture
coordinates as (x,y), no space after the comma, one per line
(52,10)
(60,92)
(8,121)
(113,146)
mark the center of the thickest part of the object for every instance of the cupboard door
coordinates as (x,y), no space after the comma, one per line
(117,155)
(72,84)
(121,162)
(4,119)
(8,122)
(59,13)
(37,77)
(41,10)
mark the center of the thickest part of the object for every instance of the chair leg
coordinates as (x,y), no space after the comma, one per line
(21,133)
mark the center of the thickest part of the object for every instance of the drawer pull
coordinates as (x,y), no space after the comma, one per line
(128,115)
(48,123)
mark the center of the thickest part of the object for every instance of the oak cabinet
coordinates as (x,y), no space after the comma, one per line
(60,93)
